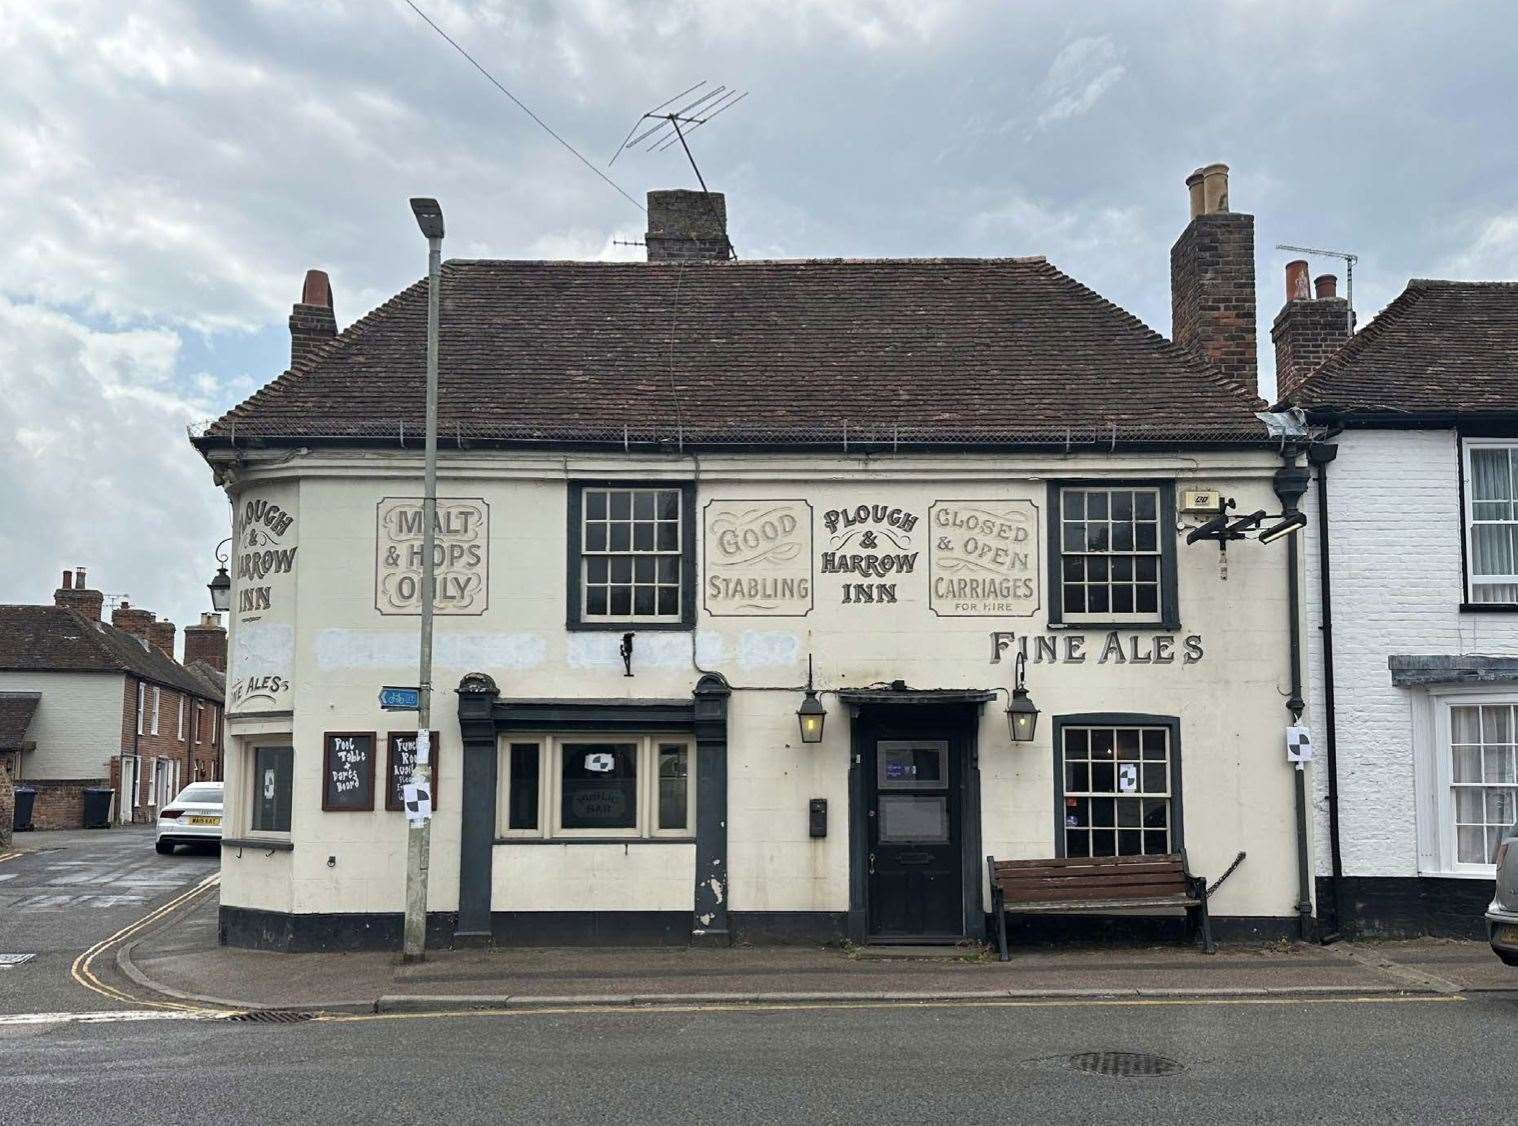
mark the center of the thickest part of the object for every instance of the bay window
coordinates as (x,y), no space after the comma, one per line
(597,786)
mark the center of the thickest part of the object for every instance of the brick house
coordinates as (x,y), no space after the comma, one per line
(85,703)
(1412,594)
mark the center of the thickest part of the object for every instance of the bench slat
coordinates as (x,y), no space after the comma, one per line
(1091,895)
(1094,878)
(1058,905)
(1172,858)
(1090,872)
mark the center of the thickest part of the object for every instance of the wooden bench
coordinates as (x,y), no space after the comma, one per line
(1092,883)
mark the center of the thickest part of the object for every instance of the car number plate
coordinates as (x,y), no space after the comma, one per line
(1506,932)
(205,821)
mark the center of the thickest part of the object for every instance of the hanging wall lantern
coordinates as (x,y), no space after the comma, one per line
(1022,716)
(811,715)
(221,591)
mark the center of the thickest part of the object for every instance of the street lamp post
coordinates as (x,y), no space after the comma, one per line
(429,217)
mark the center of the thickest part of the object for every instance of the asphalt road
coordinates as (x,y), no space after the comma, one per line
(1436,1061)
(70,891)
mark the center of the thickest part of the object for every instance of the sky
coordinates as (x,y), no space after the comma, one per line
(170,169)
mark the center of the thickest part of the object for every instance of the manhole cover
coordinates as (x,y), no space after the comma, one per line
(8,960)
(1127,1065)
(272,1016)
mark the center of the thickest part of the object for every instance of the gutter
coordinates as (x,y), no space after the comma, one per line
(1320,454)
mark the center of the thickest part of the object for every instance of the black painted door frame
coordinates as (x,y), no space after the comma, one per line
(958,724)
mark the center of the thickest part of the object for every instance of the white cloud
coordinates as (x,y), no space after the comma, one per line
(1078,77)
(1491,253)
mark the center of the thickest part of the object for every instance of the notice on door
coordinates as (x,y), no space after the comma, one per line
(983,558)
(460,551)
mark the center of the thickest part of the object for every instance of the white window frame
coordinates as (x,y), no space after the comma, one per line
(684,567)
(1467,446)
(550,787)
(198,724)
(142,697)
(157,700)
(1134,617)
(131,797)
(1433,765)
(180,712)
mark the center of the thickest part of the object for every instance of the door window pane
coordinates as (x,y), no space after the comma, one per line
(907,767)
(273,772)
(674,786)
(914,817)
(522,802)
(600,786)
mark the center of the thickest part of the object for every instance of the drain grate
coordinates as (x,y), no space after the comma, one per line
(8,960)
(272,1016)
(1126,1065)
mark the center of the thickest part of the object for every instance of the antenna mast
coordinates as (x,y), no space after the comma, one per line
(666,130)
(1349,272)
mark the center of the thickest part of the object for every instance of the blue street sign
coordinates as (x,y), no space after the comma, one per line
(400,699)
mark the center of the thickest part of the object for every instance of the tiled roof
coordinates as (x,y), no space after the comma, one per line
(1442,347)
(53,639)
(948,350)
(16,711)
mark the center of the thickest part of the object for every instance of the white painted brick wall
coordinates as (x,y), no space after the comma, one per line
(77,726)
(1394,549)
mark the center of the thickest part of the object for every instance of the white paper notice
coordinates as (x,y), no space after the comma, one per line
(1127,777)
(423,748)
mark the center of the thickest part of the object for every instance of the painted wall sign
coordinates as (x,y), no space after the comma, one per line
(758,556)
(983,558)
(460,550)
(1116,647)
(869,542)
(265,534)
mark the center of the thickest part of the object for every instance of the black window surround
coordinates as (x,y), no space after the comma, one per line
(1501,433)
(1169,618)
(575,617)
(1119,719)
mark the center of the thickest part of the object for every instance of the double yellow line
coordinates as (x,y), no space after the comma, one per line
(82,970)
(4,856)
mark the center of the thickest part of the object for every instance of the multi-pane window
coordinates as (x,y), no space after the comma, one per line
(1109,553)
(157,699)
(630,548)
(1484,784)
(1492,521)
(1117,796)
(623,786)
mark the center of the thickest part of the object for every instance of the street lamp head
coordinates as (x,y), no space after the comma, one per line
(429,216)
(221,591)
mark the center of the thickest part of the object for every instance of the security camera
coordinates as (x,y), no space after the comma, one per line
(1287,527)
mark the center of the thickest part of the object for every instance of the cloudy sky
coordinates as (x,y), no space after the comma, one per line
(169,170)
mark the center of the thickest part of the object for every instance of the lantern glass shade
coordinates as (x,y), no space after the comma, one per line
(811,716)
(221,591)
(1022,717)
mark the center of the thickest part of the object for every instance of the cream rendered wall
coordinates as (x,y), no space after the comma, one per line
(77,724)
(1237,787)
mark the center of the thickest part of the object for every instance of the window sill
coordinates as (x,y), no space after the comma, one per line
(594,840)
(628,627)
(268,844)
(1489,875)
(1489,607)
(1136,627)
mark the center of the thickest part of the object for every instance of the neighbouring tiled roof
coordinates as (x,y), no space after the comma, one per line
(54,639)
(948,350)
(16,711)
(1442,347)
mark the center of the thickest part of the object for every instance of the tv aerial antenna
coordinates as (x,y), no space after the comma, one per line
(670,127)
(1349,272)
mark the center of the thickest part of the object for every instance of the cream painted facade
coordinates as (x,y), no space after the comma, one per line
(77,725)
(317,631)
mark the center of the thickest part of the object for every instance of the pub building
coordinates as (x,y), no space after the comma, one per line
(773,597)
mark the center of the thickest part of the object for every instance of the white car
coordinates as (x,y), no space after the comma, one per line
(194,817)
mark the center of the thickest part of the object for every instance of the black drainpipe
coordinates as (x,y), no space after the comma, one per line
(1320,454)
(1291,482)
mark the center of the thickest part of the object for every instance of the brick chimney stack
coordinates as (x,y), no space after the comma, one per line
(312,322)
(206,642)
(1309,328)
(161,637)
(687,226)
(75,595)
(1212,294)
(129,619)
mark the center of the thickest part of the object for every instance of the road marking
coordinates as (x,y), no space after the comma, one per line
(4,856)
(83,973)
(114,1016)
(751,1007)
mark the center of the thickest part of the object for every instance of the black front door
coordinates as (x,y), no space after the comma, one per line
(914,868)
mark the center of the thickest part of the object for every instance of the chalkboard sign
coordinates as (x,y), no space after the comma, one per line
(347,771)
(402,758)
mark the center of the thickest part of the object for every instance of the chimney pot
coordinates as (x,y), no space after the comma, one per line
(68,580)
(79,583)
(1194,192)
(1326,285)
(1214,188)
(317,289)
(73,595)
(1296,281)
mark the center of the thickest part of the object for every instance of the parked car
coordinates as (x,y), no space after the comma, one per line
(194,817)
(1502,914)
